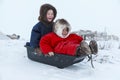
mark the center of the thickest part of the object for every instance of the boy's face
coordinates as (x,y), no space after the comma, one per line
(65,32)
(50,15)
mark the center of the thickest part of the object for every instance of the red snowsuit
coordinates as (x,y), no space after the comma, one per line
(53,43)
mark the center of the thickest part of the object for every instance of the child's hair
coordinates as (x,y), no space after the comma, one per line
(43,11)
(59,25)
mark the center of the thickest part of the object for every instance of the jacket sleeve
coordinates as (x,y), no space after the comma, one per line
(35,37)
(79,38)
(45,44)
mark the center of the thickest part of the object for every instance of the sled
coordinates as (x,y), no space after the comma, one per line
(58,60)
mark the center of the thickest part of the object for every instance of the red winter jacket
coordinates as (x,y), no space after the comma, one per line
(53,43)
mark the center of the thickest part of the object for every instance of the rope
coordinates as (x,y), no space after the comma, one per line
(91,59)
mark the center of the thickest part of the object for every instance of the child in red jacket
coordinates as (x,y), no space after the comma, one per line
(62,42)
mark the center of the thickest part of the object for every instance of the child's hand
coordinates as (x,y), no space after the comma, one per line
(51,54)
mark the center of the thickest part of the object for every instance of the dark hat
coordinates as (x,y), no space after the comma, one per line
(43,11)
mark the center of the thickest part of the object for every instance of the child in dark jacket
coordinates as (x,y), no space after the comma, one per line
(62,42)
(44,26)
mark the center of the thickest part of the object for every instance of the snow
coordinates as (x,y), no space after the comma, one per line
(3,36)
(15,65)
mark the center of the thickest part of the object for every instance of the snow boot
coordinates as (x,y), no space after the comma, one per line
(38,51)
(83,49)
(93,46)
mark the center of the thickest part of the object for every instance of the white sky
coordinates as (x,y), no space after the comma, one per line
(19,16)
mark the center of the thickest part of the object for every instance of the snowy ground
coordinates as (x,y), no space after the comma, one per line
(14,65)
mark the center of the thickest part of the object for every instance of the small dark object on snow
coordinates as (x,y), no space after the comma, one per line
(14,36)
(58,60)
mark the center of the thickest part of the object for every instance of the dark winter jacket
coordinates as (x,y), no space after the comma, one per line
(39,30)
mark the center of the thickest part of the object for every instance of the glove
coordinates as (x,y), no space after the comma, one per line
(51,53)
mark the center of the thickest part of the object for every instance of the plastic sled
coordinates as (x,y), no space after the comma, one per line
(58,60)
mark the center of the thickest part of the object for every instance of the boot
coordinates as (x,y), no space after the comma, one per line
(83,49)
(38,51)
(93,46)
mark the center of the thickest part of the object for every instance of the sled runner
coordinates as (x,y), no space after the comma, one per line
(58,60)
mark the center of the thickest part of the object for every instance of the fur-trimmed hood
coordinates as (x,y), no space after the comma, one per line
(43,11)
(59,25)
